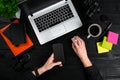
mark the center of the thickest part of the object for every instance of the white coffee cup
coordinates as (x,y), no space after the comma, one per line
(94,30)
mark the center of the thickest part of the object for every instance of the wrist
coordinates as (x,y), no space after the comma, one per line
(36,72)
(41,70)
(83,57)
(86,62)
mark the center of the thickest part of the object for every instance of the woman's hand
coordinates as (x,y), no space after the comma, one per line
(48,65)
(79,47)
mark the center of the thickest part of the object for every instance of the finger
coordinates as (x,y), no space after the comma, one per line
(75,42)
(80,40)
(51,58)
(60,65)
(52,55)
(57,64)
(76,38)
(72,40)
(73,47)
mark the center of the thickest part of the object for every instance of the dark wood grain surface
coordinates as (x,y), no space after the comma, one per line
(108,63)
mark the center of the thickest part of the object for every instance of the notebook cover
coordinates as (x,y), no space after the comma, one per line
(19,49)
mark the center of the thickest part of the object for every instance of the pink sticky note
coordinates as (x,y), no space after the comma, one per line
(113,37)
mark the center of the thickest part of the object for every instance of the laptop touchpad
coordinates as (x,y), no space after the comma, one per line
(57,30)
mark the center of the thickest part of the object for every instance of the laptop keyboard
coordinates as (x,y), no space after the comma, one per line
(53,18)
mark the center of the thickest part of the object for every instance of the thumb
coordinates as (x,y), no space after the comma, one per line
(57,63)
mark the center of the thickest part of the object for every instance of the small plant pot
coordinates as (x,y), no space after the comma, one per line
(18,14)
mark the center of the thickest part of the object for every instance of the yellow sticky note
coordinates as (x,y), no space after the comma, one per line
(107,44)
(100,48)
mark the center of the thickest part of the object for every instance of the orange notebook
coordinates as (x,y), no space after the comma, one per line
(16,49)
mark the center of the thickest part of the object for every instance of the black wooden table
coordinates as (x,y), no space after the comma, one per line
(108,63)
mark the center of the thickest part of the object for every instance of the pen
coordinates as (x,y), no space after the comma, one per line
(106,29)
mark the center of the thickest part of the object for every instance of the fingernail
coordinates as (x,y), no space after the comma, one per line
(75,40)
(61,65)
(72,39)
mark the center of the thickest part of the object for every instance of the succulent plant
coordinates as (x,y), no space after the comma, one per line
(8,8)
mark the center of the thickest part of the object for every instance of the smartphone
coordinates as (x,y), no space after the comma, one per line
(58,52)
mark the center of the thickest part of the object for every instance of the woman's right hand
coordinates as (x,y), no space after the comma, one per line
(79,47)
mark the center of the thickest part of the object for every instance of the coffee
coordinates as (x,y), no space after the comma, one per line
(94,30)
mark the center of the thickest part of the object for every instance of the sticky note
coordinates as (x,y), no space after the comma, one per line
(106,44)
(101,49)
(113,37)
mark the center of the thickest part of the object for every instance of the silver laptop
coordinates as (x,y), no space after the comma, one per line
(54,21)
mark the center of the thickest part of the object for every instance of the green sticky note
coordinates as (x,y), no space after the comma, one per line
(106,44)
(100,48)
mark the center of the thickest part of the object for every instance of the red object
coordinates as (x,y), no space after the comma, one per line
(16,49)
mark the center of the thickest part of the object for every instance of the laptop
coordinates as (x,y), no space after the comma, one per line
(54,20)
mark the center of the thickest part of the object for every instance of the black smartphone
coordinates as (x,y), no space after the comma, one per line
(58,52)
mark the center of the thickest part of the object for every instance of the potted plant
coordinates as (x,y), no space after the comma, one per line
(8,8)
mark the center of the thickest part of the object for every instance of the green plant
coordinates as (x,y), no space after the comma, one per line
(8,8)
